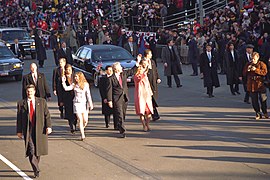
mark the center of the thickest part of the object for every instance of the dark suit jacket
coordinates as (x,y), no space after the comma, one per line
(20,51)
(42,122)
(103,87)
(42,88)
(135,49)
(67,55)
(115,92)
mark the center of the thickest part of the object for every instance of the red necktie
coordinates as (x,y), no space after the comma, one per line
(120,81)
(32,114)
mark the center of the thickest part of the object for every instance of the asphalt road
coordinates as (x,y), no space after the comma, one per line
(197,138)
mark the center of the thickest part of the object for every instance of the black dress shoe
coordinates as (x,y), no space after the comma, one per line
(179,86)
(233,93)
(247,101)
(123,135)
(237,92)
(156,118)
(107,125)
(36,174)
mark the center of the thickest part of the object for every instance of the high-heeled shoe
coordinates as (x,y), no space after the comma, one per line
(82,138)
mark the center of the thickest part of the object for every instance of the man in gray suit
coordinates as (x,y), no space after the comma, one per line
(172,65)
(34,125)
(131,47)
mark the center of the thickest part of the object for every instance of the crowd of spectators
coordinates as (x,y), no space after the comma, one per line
(85,22)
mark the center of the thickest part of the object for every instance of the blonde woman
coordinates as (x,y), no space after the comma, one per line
(82,101)
(143,97)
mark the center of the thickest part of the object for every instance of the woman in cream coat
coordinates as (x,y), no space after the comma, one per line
(82,101)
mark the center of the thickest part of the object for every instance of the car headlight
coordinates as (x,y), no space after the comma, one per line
(33,45)
(8,45)
(17,65)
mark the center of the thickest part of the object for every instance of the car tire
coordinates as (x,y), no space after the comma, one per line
(96,79)
(18,77)
(33,55)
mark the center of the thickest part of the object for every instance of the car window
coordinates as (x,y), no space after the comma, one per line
(88,56)
(5,52)
(111,55)
(11,35)
(83,53)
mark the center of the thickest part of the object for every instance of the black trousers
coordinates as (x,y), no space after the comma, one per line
(119,113)
(234,88)
(247,93)
(210,90)
(176,79)
(108,120)
(55,58)
(41,63)
(257,97)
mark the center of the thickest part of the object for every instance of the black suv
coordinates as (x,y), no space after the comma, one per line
(92,60)
(9,64)
(9,34)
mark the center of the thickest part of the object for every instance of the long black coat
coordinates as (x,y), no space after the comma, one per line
(103,88)
(67,55)
(193,51)
(40,49)
(153,76)
(42,122)
(174,67)
(232,73)
(209,73)
(42,87)
(57,85)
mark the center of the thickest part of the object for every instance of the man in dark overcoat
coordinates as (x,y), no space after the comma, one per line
(244,59)
(232,74)
(172,65)
(38,79)
(34,125)
(54,46)
(40,48)
(208,68)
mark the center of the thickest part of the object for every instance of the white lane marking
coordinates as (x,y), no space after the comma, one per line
(12,166)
